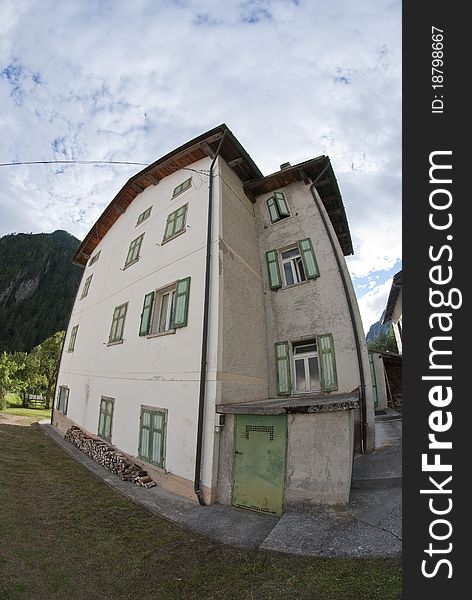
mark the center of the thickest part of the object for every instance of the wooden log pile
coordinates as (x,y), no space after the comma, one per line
(106,455)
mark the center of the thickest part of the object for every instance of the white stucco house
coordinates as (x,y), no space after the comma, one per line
(216,338)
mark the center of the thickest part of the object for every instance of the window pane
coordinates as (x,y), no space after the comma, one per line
(300,382)
(289,279)
(304,348)
(290,253)
(146,419)
(314,373)
(156,456)
(163,313)
(300,270)
(144,442)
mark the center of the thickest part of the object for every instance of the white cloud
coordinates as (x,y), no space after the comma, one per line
(373,303)
(130,81)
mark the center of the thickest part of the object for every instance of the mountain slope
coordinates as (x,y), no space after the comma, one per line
(38,284)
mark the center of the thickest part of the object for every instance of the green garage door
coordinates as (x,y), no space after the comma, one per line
(259,462)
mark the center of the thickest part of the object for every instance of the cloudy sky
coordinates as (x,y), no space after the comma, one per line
(129,81)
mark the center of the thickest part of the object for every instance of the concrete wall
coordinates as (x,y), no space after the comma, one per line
(380,380)
(319,458)
(243,370)
(163,371)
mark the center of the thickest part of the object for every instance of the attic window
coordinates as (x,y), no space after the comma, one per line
(277,207)
(94,258)
(144,215)
(182,187)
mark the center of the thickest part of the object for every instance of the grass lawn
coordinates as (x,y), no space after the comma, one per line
(14,407)
(64,534)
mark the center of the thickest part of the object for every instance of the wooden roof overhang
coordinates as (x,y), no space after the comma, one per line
(200,147)
(327,187)
(242,164)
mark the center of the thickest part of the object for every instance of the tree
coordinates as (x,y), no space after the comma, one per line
(48,354)
(384,342)
(8,368)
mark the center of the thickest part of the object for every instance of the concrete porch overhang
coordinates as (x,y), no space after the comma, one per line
(316,403)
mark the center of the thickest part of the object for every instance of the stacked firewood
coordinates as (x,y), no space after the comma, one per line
(109,457)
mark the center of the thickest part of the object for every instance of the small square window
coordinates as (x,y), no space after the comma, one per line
(133,251)
(73,336)
(182,187)
(118,324)
(86,287)
(278,207)
(63,399)
(144,215)
(94,258)
(176,223)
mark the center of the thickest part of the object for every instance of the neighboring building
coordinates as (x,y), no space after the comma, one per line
(241,382)
(393,312)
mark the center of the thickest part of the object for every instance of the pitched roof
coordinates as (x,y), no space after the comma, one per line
(239,160)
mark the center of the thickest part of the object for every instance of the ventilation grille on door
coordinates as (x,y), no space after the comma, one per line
(262,428)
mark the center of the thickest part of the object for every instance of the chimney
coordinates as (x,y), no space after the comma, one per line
(286,165)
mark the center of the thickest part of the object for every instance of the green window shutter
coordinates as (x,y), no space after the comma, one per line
(144,434)
(180,218)
(156,448)
(273,212)
(282,362)
(66,401)
(169,232)
(182,292)
(274,269)
(146,314)
(329,378)
(309,259)
(281,204)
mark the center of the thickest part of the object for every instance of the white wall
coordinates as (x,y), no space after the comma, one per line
(163,371)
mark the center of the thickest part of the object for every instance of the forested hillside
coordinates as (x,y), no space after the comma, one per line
(38,284)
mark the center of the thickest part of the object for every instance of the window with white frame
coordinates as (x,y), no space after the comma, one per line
(166,309)
(164,312)
(292,266)
(306,371)
(306,366)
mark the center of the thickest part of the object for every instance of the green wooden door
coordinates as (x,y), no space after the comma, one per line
(259,462)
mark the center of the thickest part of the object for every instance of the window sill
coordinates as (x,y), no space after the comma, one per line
(174,236)
(70,351)
(130,264)
(115,343)
(293,285)
(162,333)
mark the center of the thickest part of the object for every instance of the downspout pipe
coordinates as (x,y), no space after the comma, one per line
(362,397)
(197,483)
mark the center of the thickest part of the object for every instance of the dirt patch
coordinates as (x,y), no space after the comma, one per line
(7,419)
